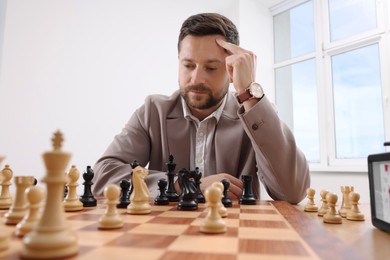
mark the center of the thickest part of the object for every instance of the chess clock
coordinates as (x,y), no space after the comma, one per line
(379,181)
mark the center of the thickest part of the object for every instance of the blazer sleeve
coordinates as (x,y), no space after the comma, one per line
(282,167)
(131,144)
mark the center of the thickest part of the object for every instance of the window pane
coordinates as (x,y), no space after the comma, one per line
(294,32)
(359,127)
(296,96)
(351,17)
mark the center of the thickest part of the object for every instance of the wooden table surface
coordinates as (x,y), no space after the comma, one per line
(367,240)
(268,230)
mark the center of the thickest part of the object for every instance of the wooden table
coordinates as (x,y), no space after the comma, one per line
(268,230)
(362,236)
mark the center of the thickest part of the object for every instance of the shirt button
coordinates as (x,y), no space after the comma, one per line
(255,127)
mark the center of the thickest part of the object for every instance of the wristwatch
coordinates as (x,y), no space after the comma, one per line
(253,91)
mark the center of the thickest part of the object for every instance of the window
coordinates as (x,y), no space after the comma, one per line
(331,66)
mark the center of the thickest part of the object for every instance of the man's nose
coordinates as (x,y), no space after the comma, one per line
(198,76)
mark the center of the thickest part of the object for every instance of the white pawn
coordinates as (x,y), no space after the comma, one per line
(19,207)
(311,205)
(354,213)
(213,222)
(345,204)
(5,196)
(324,206)
(34,196)
(221,208)
(332,216)
(72,201)
(111,218)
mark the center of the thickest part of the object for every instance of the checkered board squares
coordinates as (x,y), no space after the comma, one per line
(269,230)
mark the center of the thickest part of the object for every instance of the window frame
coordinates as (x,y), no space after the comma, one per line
(324,50)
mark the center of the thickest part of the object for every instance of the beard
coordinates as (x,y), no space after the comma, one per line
(202,101)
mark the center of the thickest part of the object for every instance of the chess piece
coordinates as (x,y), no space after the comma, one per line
(72,201)
(332,216)
(197,176)
(87,198)
(247,197)
(187,198)
(111,218)
(34,195)
(345,205)
(226,201)
(213,223)
(139,199)
(171,192)
(124,199)
(221,208)
(162,198)
(354,212)
(324,206)
(19,206)
(5,196)
(311,205)
(52,238)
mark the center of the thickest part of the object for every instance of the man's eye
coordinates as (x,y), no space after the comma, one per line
(188,66)
(210,68)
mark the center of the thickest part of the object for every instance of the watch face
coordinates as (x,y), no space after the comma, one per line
(256,90)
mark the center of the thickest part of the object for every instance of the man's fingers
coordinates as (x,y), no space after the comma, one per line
(230,47)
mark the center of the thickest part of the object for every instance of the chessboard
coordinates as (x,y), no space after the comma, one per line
(267,230)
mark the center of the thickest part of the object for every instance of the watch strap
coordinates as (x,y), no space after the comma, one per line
(244,96)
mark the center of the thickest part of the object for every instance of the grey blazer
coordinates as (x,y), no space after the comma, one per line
(253,143)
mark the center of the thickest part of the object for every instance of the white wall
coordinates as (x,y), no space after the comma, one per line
(84,66)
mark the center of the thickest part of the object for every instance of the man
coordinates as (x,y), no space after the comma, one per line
(203,125)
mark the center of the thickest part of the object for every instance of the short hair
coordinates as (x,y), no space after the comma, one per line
(204,24)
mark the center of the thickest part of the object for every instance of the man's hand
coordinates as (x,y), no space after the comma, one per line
(240,65)
(235,188)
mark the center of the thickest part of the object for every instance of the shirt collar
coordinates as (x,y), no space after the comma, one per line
(216,114)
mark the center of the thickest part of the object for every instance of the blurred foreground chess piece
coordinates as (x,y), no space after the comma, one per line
(72,201)
(111,218)
(345,204)
(34,195)
(324,206)
(52,238)
(354,213)
(332,216)
(87,198)
(213,222)
(19,206)
(5,181)
(1,159)
(221,208)
(311,205)
(139,199)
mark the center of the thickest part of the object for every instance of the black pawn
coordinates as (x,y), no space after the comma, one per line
(226,201)
(171,192)
(124,199)
(247,197)
(87,198)
(197,177)
(162,198)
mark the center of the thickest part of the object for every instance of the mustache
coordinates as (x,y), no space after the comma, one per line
(198,88)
